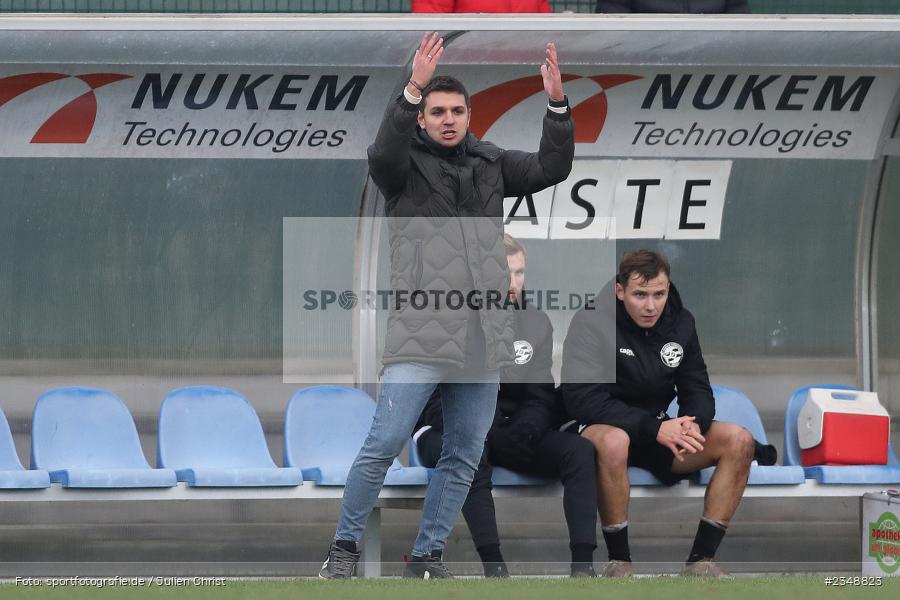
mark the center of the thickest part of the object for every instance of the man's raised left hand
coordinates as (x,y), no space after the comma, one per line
(551,75)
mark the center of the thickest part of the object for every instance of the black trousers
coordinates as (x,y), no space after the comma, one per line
(562,455)
(572,459)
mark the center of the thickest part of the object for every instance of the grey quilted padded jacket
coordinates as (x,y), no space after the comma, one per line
(445,214)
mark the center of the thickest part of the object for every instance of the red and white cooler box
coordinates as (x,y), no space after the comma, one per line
(843,427)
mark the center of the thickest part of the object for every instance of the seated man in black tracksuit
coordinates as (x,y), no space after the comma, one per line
(524,438)
(657,355)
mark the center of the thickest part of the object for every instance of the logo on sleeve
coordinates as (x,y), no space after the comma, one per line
(626,352)
(671,354)
(524,351)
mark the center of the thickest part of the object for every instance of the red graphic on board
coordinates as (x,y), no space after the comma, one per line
(71,124)
(590,115)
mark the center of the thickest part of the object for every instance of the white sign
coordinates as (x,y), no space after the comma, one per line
(191,112)
(880,534)
(626,199)
(693,112)
(582,204)
(643,193)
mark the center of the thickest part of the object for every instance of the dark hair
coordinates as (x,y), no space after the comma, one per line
(444,83)
(645,263)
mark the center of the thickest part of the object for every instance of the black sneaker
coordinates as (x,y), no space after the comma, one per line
(496,569)
(339,564)
(582,570)
(427,567)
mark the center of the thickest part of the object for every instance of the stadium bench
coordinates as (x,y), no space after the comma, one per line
(211,436)
(732,406)
(12,474)
(832,474)
(86,438)
(503,477)
(324,427)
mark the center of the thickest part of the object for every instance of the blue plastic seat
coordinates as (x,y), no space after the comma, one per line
(324,429)
(639,476)
(86,438)
(850,474)
(502,476)
(732,406)
(212,437)
(12,474)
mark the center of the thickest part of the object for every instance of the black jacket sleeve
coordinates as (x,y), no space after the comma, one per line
(536,394)
(536,414)
(389,161)
(530,172)
(513,442)
(527,398)
(586,394)
(695,397)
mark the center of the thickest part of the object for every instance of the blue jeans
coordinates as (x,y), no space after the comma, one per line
(468,405)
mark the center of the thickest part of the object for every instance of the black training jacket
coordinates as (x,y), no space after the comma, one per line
(527,397)
(652,366)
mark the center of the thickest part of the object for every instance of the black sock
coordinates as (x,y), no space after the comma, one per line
(490,553)
(346,545)
(583,553)
(617,544)
(706,543)
(765,454)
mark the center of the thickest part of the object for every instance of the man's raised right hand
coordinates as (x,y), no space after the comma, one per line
(425,62)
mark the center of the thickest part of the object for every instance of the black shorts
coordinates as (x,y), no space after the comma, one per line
(657,459)
(652,456)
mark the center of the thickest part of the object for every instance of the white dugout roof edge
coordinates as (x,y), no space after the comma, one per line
(587,39)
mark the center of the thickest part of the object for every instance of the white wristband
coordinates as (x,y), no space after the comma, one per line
(410,98)
(558,109)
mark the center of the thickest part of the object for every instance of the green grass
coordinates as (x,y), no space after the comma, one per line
(656,588)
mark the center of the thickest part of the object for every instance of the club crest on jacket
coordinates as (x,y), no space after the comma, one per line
(671,354)
(524,351)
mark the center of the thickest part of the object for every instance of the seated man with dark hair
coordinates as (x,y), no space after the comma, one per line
(524,437)
(657,356)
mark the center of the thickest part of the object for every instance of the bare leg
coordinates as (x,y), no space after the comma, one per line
(730,448)
(613,488)
(613,492)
